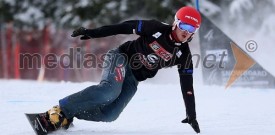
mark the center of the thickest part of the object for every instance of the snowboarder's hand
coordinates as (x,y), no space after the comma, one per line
(80,31)
(193,122)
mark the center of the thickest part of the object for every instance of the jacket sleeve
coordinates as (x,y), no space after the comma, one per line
(126,27)
(185,71)
(139,27)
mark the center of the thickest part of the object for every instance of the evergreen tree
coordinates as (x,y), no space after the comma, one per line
(73,13)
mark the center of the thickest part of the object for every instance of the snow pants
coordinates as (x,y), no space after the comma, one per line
(105,101)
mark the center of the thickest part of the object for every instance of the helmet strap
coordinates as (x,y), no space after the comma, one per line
(189,39)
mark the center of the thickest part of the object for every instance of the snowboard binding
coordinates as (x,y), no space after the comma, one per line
(52,120)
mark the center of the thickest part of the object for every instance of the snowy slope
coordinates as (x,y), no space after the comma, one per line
(155,110)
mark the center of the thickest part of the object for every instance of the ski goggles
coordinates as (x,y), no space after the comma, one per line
(186,27)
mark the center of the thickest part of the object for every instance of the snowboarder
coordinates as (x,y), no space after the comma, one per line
(159,45)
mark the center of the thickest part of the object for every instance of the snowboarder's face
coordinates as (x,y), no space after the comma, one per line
(183,35)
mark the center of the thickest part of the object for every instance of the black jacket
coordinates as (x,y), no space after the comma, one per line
(153,50)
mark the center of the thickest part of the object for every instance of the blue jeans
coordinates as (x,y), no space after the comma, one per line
(105,101)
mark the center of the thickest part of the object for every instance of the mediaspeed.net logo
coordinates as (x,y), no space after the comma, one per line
(243,61)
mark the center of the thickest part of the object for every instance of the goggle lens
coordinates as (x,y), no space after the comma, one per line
(187,27)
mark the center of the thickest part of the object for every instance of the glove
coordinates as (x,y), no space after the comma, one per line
(193,122)
(81,31)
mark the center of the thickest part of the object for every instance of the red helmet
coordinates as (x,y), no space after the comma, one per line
(189,15)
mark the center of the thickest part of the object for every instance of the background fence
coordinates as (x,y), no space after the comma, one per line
(16,43)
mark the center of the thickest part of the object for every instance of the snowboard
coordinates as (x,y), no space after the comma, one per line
(38,123)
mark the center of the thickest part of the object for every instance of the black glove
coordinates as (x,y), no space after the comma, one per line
(193,122)
(81,31)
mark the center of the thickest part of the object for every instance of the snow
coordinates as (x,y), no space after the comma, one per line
(236,7)
(154,110)
(11,2)
(209,8)
(31,14)
(82,3)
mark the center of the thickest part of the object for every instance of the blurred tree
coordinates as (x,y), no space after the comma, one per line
(72,13)
(9,9)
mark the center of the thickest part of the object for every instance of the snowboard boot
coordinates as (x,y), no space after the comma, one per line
(193,122)
(58,119)
(54,119)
